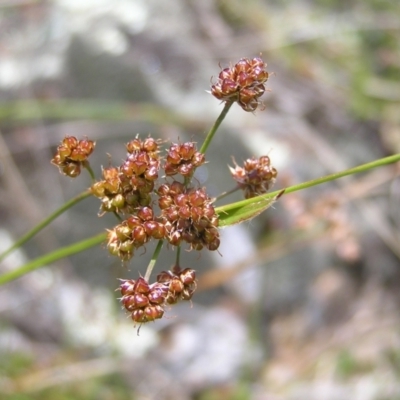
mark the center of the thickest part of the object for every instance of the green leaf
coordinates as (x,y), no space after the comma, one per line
(245,210)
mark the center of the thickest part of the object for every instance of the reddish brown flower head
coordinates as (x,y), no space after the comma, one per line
(142,300)
(149,146)
(142,163)
(181,284)
(183,159)
(125,188)
(71,154)
(134,232)
(242,83)
(189,216)
(117,194)
(256,177)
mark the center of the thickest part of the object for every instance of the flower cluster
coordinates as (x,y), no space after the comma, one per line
(145,302)
(129,186)
(181,284)
(243,83)
(133,233)
(189,216)
(183,159)
(256,177)
(175,210)
(142,300)
(72,154)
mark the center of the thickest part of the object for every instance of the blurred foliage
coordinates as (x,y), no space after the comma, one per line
(352,45)
(19,365)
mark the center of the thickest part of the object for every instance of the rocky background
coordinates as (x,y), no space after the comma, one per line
(302,302)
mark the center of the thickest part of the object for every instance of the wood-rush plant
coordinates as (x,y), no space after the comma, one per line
(154,197)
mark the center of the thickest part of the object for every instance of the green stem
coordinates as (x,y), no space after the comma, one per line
(227,193)
(118,216)
(86,165)
(355,170)
(51,257)
(318,181)
(153,260)
(178,256)
(44,223)
(215,127)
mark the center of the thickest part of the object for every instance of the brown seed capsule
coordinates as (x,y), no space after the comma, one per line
(126,247)
(142,286)
(157,294)
(175,238)
(188,276)
(146,214)
(176,285)
(214,244)
(152,313)
(138,316)
(129,302)
(141,300)
(72,169)
(127,287)
(165,276)
(139,235)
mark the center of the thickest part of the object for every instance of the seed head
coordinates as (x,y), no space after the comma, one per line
(183,159)
(135,232)
(242,83)
(181,284)
(125,188)
(71,154)
(188,215)
(256,177)
(142,300)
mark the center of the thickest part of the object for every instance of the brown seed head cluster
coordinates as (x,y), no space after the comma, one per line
(183,159)
(256,177)
(189,216)
(134,232)
(243,83)
(125,188)
(72,154)
(145,302)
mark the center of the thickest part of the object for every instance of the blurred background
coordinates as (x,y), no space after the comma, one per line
(301,302)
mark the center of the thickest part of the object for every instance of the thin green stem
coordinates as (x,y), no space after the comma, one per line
(51,257)
(178,256)
(153,260)
(355,170)
(86,165)
(318,181)
(215,127)
(118,216)
(227,193)
(44,223)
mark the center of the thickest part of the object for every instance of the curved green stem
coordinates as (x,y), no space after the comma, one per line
(89,169)
(45,222)
(153,260)
(355,170)
(215,127)
(53,256)
(314,182)
(117,216)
